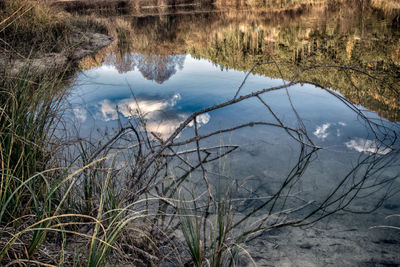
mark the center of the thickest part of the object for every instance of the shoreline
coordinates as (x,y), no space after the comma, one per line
(84,44)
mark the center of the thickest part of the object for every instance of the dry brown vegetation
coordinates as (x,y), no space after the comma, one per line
(386,5)
(45,39)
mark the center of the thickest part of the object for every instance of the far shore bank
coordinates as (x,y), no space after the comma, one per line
(83,34)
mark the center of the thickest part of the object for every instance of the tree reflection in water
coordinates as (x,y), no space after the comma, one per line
(158,68)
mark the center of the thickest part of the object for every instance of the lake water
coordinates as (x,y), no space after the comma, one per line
(177,63)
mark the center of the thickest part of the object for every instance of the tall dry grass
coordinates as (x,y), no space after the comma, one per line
(29,28)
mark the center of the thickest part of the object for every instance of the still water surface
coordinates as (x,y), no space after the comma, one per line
(173,65)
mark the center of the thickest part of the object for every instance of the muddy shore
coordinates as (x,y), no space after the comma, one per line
(82,44)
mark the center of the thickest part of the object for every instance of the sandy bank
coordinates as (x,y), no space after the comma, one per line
(82,44)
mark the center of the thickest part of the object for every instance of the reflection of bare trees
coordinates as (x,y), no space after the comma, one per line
(157,68)
(330,34)
(167,167)
(160,68)
(238,39)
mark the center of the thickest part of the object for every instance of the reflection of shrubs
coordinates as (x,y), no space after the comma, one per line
(90,24)
(103,7)
(124,30)
(256,3)
(386,5)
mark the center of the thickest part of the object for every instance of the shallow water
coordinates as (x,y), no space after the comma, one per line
(174,65)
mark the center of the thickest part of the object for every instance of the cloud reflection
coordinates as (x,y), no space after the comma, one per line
(201,120)
(160,116)
(367,146)
(321,131)
(108,110)
(80,114)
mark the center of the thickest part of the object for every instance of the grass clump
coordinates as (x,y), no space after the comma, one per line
(30,28)
(45,200)
(211,242)
(26,196)
(25,123)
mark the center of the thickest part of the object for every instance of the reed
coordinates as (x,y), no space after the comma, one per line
(40,196)
(27,174)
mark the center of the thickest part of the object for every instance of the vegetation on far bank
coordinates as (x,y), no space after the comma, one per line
(321,34)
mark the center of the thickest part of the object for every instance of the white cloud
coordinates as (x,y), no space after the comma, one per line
(367,146)
(131,107)
(201,120)
(162,124)
(108,110)
(342,123)
(80,114)
(174,99)
(320,131)
(163,129)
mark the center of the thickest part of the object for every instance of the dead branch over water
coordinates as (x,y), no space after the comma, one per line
(152,159)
